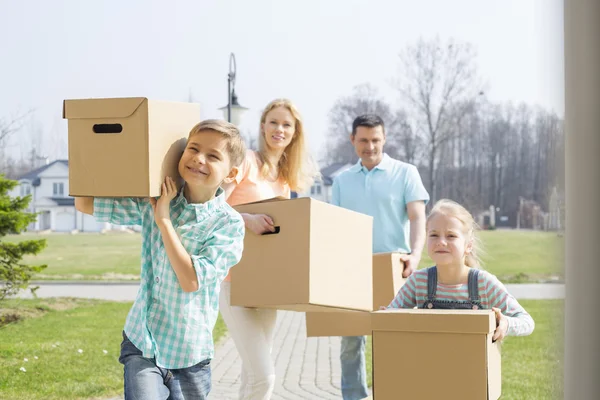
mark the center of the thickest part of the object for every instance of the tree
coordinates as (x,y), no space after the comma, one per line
(13,219)
(8,127)
(435,79)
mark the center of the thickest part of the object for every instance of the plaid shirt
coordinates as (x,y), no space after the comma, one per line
(166,323)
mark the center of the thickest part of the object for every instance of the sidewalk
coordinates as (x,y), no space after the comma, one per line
(306,368)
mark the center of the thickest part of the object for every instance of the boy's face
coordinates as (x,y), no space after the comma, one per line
(205,160)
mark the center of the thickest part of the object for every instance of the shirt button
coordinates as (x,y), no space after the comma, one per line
(157,279)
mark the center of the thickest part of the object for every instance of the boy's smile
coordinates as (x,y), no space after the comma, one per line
(205,163)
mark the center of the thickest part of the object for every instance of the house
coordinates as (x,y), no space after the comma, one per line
(321,189)
(49,189)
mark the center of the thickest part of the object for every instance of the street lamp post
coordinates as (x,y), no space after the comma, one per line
(233,110)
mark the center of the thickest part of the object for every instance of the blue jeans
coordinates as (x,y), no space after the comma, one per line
(354,368)
(145,380)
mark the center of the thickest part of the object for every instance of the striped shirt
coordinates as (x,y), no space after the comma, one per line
(166,323)
(491,292)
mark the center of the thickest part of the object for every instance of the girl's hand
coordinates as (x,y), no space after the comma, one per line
(260,223)
(501,325)
(161,206)
(381,308)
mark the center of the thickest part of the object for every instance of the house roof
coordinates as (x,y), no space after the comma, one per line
(329,170)
(33,175)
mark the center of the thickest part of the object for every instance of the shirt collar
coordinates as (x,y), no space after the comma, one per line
(202,208)
(383,165)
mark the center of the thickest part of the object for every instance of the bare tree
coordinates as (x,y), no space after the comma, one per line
(8,127)
(434,78)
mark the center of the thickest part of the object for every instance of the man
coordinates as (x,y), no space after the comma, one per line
(392,193)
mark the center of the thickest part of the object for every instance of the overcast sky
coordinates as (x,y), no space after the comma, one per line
(310,51)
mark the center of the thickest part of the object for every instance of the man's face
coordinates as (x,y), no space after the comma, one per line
(368,143)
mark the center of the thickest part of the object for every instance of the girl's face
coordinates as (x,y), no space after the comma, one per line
(279,128)
(447,242)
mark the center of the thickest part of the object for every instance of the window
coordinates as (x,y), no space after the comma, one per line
(58,189)
(318,189)
(25,189)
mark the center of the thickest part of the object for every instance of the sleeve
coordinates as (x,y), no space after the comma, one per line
(413,187)
(335,192)
(119,211)
(407,295)
(220,252)
(520,322)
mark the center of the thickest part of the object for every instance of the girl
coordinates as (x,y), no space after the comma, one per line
(455,282)
(280,165)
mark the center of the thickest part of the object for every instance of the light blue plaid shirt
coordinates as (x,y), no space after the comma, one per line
(166,323)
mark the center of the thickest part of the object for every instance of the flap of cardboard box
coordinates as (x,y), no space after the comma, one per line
(101,108)
(439,321)
(277,198)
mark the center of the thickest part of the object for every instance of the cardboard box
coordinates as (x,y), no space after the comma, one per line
(124,147)
(387,281)
(435,354)
(320,259)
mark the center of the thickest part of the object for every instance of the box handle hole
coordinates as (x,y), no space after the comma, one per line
(277,230)
(108,128)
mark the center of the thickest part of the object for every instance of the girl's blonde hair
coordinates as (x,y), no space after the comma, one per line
(451,208)
(295,166)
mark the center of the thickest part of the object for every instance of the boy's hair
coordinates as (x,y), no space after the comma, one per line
(368,120)
(453,209)
(235,143)
(296,166)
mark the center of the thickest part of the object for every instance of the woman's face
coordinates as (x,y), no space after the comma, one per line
(279,128)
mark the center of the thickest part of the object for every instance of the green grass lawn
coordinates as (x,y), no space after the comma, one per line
(514,256)
(531,366)
(113,256)
(54,330)
(519,256)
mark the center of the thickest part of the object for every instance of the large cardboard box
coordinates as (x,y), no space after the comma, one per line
(124,147)
(320,259)
(435,354)
(387,281)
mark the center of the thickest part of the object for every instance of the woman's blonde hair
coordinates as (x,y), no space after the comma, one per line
(295,166)
(453,209)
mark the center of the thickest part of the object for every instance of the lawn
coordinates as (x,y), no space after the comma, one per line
(520,256)
(531,366)
(90,256)
(514,256)
(46,343)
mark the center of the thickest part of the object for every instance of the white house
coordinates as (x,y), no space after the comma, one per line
(49,189)
(321,189)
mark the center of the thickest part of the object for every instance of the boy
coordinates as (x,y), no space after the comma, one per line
(190,240)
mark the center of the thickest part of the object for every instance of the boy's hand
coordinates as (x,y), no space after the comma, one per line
(260,223)
(161,206)
(501,325)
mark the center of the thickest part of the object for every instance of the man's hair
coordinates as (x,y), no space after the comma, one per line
(368,120)
(235,143)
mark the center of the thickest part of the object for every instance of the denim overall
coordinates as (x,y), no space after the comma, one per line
(474,302)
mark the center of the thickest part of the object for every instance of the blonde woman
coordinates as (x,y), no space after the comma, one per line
(279,166)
